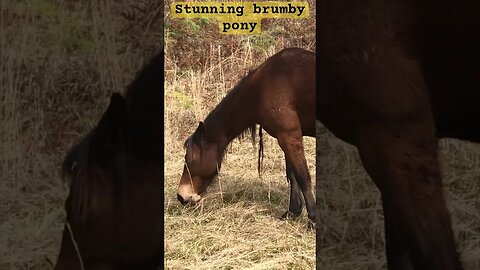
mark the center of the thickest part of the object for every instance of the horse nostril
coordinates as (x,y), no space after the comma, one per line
(182,201)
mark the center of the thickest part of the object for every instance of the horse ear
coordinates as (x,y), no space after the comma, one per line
(198,134)
(112,127)
(200,131)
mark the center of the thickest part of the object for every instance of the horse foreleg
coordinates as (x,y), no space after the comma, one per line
(402,161)
(398,257)
(292,145)
(295,203)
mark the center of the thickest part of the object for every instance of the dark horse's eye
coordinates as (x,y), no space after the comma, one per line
(73,165)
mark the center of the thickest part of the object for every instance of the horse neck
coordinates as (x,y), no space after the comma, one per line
(231,117)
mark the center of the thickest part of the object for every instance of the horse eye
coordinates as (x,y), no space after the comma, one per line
(73,166)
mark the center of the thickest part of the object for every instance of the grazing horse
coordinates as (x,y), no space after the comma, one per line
(114,209)
(279,95)
(395,76)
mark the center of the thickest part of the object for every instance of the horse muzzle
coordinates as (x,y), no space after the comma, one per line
(189,199)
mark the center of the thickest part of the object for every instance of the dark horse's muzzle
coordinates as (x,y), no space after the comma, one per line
(191,199)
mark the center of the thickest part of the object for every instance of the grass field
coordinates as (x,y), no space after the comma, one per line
(236,226)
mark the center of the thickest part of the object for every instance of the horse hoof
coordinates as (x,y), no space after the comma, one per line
(289,215)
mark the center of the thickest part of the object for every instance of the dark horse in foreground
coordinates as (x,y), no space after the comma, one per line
(114,209)
(394,77)
(279,96)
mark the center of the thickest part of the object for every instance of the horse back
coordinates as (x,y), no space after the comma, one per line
(286,86)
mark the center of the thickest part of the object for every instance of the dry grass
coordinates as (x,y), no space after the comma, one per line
(236,226)
(59,63)
(351,233)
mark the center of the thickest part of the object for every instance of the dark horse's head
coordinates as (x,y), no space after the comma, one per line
(114,208)
(202,162)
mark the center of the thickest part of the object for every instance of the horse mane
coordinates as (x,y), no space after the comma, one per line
(251,130)
(147,78)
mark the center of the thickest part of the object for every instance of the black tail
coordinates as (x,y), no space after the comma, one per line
(260,150)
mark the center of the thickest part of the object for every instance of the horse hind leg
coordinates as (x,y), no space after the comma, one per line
(292,145)
(402,161)
(295,203)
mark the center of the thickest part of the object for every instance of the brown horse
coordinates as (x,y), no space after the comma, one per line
(279,96)
(395,76)
(114,209)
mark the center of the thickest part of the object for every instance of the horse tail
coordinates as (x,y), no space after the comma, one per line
(260,150)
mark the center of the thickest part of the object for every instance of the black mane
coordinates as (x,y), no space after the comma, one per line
(251,130)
